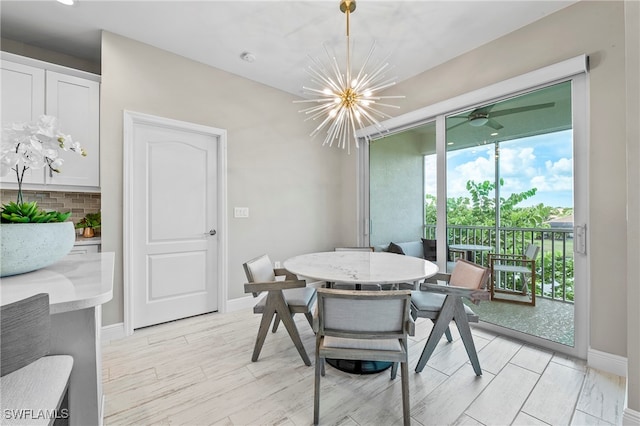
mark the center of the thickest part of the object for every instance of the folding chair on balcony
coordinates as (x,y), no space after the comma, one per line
(506,267)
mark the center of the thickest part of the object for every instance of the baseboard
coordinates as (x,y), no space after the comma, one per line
(610,363)
(112,332)
(630,417)
(240,303)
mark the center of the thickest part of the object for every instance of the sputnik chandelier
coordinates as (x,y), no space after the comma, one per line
(345,103)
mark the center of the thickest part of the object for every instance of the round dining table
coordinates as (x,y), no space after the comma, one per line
(361,267)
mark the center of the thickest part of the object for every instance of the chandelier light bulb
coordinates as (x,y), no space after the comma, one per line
(339,102)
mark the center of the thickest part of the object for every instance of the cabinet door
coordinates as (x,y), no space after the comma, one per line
(75,102)
(22,100)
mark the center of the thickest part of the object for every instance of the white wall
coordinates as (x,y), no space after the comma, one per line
(292,185)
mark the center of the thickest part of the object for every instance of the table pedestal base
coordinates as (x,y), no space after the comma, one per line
(359,367)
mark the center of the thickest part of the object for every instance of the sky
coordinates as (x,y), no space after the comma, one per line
(544,162)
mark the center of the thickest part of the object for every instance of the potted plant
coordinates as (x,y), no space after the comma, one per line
(89,223)
(31,238)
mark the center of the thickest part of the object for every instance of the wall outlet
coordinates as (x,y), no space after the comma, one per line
(241,212)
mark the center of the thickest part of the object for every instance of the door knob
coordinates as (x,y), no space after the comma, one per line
(212,232)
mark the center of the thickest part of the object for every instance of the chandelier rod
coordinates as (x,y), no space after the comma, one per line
(347,7)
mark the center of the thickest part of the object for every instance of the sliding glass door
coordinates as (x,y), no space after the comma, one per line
(510,186)
(491,180)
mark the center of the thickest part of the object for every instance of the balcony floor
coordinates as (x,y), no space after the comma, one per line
(551,320)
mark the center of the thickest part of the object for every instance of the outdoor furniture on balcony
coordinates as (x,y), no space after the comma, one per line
(470,250)
(511,275)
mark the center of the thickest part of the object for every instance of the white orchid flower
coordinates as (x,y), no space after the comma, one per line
(34,145)
(56,164)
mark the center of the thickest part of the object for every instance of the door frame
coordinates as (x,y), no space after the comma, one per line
(130,119)
(575,69)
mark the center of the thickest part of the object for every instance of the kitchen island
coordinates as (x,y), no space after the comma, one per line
(77,285)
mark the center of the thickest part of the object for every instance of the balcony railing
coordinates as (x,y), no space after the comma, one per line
(554,264)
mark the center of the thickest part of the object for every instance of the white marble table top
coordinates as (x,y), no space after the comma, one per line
(75,282)
(356,267)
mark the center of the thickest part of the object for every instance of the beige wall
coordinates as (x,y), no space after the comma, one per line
(396,189)
(602,30)
(596,29)
(292,185)
(29,51)
(632,29)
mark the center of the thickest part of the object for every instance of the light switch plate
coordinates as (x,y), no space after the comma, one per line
(241,212)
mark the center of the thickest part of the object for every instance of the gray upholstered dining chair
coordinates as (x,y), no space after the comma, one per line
(363,325)
(443,303)
(30,377)
(283,300)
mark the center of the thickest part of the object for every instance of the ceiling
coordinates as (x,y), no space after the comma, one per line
(417,35)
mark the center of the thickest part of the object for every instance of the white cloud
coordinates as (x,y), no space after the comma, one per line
(552,183)
(517,162)
(478,170)
(543,162)
(562,166)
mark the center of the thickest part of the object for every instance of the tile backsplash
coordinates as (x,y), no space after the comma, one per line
(78,203)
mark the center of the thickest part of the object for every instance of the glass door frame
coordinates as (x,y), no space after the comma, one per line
(574,70)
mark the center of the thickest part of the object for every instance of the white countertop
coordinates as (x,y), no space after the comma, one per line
(359,267)
(73,283)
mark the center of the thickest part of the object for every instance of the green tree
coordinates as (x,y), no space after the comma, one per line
(478,209)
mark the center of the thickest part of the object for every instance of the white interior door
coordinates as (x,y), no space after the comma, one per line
(174,242)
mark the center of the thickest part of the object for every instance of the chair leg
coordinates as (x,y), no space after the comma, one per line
(267,316)
(406,409)
(441,324)
(462,323)
(394,370)
(290,325)
(447,333)
(309,316)
(316,389)
(276,322)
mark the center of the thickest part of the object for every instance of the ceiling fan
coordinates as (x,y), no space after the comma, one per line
(485,117)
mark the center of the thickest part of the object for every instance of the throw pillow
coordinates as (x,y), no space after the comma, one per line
(394,248)
(429,248)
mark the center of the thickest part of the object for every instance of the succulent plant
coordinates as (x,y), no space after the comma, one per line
(91,220)
(30,213)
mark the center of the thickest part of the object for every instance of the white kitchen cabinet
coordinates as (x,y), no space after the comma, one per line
(75,102)
(22,99)
(31,88)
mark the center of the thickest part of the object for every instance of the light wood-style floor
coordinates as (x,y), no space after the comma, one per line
(198,371)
